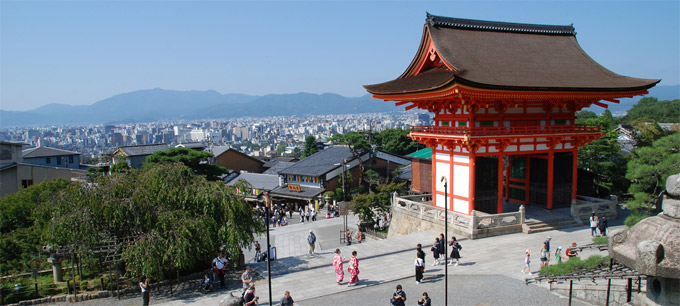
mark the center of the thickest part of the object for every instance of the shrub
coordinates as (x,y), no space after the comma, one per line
(572,265)
(600,240)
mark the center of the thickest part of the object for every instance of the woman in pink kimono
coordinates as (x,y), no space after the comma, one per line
(353,269)
(337,263)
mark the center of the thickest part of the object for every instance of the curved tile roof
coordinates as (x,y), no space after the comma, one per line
(507,56)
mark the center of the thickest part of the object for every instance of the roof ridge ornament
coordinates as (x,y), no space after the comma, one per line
(496,26)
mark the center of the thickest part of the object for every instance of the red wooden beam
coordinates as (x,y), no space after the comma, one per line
(601,104)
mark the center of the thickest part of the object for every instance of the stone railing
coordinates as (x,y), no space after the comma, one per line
(476,225)
(584,206)
(481,220)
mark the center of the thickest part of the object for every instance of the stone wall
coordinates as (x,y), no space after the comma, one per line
(407,222)
(595,294)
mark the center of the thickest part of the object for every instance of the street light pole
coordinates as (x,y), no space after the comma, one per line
(344,197)
(446,241)
(269,264)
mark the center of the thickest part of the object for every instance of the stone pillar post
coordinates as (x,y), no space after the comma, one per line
(522,211)
(57,273)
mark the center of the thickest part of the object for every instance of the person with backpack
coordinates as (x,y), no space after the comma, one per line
(455,251)
(311,240)
(593,224)
(603,226)
(399,297)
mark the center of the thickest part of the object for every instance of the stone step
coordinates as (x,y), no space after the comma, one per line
(540,226)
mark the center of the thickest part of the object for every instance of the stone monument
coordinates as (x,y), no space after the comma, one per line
(652,247)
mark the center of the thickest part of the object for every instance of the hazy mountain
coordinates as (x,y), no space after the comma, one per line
(160,104)
(668,92)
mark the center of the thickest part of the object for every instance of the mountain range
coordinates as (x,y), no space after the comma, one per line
(161,104)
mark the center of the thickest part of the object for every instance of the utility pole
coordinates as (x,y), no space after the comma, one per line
(446,241)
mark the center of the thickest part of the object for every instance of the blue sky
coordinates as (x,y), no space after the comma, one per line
(79,52)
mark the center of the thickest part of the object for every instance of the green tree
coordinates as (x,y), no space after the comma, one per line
(603,156)
(281,149)
(648,170)
(358,145)
(196,160)
(395,141)
(646,132)
(177,219)
(119,167)
(310,146)
(367,206)
(651,109)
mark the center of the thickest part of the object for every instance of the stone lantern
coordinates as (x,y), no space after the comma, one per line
(652,247)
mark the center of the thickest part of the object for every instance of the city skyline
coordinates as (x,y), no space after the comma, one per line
(78,53)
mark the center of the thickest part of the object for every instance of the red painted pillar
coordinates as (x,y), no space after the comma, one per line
(551,164)
(507,179)
(574,174)
(472,184)
(499,209)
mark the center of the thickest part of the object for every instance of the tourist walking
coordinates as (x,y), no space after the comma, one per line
(527,261)
(353,269)
(435,251)
(249,297)
(246,279)
(337,264)
(219,264)
(360,235)
(144,287)
(572,252)
(442,247)
(287,300)
(593,224)
(603,225)
(307,215)
(420,268)
(311,240)
(547,242)
(558,255)
(544,255)
(348,237)
(455,251)
(420,253)
(399,297)
(425,301)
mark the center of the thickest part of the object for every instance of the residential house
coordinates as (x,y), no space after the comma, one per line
(52,157)
(421,171)
(16,174)
(135,156)
(259,182)
(237,161)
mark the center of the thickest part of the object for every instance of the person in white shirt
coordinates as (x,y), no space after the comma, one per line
(219,263)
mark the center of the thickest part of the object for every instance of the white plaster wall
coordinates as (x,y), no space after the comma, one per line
(443,169)
(526,148)
(461,177)
(535,110)
(541,147)
(461,206)
(443,156)
(440,200)
(568,146)
(461,159)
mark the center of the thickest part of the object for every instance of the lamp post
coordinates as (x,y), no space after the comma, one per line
(344,197)
(269,247)
(446,240)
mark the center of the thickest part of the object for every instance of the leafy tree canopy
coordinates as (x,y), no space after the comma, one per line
(395,141)
(367,206)
(651,109)
(648,170)
(310,146)
(198,161)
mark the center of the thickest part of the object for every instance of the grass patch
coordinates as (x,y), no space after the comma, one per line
(572,265)
(600,240)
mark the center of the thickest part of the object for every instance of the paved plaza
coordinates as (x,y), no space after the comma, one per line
(489,272)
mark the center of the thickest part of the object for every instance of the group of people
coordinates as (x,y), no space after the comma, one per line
(277,215)
(598,224)
(399,298)
(307,215)
(349,234)
(439,250)
(352,269)
(560,255)
(249,297)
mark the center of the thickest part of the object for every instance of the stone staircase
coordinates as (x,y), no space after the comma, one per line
(537,226)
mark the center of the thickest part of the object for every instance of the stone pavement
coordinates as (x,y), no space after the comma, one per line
(381,261)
